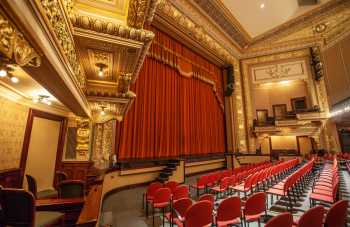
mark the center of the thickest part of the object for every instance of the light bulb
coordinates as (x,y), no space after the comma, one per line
(14,79)
(100,73)
(262,5)
(3,73)
(35,99)
(103,112)
(48,103)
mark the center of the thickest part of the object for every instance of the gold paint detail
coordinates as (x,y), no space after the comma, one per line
(122,49)
(102,144)
(184,23)
(138,10)
(14,47)
(83,137)
(56,18)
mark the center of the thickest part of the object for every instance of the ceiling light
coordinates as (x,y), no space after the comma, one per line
(262,5)
(3,73)
(103,112)
(14,79)
(101,67)
(43,99)
(284,82)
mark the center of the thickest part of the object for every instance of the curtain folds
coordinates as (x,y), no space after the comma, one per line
(173,114)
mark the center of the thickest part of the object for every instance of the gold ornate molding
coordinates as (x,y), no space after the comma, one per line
(54,13)
(141,11)
(83,137)
(14,47)
(113,108)
(166,9)
(314,29)
(127,48)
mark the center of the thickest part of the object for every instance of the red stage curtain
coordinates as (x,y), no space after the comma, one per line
(178,110)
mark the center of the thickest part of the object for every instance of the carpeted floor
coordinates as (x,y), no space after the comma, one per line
(124,209)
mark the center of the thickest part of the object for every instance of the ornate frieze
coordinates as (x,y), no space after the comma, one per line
(141,11)
(229,25)
(56,19)
(108,27)
(290,70)
(189,27)
(14,47)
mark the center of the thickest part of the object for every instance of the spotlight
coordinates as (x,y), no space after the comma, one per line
(3,73)
(14,79)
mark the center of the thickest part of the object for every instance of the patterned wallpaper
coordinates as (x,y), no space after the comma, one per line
(13,120)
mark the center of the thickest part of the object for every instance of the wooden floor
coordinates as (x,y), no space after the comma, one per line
(124,209)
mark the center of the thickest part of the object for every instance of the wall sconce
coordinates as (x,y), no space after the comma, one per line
(42,99)
(103,112)
(101,67)
(6,72)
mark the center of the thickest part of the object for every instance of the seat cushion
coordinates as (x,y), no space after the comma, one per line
(49,193)
(44,218)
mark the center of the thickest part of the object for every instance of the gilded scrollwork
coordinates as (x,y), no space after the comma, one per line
(83,137)
(56,17)
(15,47)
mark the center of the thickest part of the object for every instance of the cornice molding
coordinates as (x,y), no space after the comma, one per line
(178,19)
(300,20)
(218,12)
(54,15)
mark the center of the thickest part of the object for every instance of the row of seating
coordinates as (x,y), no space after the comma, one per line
(348,166)
(232,211)
(290,184)
(314,217)
(204,182)
(326,185)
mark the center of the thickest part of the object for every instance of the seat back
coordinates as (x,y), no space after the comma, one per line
(171,185)
(182,205)
(255,204)
(229,209)
(71,189)
(199,214)
(181,191)
(225,182)
(153,187)
(284,219)
(162,195)
(60,176)
(32,186)
(203,180)
(207,197)
(313,217)
(18,206)
(336,216)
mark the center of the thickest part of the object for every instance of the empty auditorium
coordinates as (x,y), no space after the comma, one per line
(174,113)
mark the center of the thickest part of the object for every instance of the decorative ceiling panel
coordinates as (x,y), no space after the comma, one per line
(118,57)
(116,10)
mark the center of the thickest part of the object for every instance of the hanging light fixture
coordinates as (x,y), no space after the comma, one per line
(45,99)
(101,67)
(6,72)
